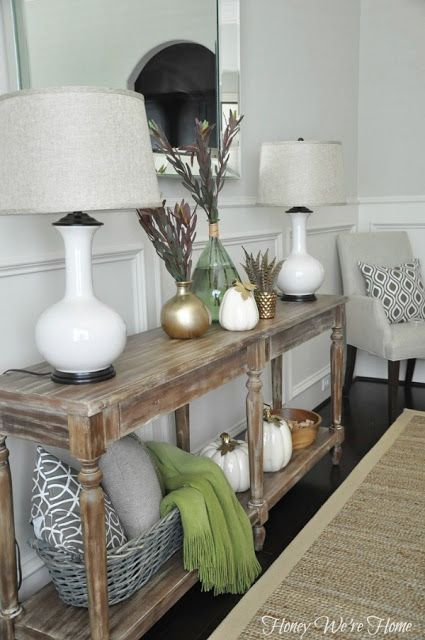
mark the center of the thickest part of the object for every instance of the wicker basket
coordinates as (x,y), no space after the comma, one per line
(129,566)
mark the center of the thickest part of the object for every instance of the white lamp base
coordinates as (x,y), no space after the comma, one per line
(80,336)
(301,274)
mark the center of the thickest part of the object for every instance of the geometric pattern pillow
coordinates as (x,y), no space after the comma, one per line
(400,289)
(55,506)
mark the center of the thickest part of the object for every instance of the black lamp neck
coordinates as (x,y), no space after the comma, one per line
(77,218)
(299,210)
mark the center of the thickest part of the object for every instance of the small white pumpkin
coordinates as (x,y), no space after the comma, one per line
(232,457)
(238,309)
(277,442)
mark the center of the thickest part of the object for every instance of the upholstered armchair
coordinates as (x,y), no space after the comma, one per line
(367,325)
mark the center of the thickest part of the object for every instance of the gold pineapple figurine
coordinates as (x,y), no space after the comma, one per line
(263,274)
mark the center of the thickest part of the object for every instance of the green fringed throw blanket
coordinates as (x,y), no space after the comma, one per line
(218,539)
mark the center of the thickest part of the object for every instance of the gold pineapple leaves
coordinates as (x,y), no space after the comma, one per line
(260,271)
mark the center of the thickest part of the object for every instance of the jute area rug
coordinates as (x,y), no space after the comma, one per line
(357,570)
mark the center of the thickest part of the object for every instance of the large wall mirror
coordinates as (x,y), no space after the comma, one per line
(183,55)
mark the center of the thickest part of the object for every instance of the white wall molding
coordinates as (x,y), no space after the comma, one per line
(388,226)
(157,266)
(134,254)
(391,199)
(226,202)
(248,237)
(235,202)
(140,301)
(52,262)
(322,229)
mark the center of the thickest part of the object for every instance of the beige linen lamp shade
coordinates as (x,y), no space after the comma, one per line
(301,173)
(75,149)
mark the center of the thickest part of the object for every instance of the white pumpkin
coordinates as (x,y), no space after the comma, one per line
(232,457)
(277,442)
(238,309)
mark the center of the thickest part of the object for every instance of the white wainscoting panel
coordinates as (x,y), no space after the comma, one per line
(31,285)
(306,365)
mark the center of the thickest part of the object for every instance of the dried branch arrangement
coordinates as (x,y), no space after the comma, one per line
(260,271)
(205,188)
(172,233)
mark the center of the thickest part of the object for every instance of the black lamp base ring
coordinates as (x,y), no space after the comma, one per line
(308,297)
(64,377)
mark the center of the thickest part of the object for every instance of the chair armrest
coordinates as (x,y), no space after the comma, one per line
(367,325)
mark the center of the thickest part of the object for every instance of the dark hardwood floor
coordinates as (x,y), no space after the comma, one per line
(365,417)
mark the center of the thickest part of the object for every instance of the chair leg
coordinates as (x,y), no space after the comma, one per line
(349,368)
(410,369)
(393,375)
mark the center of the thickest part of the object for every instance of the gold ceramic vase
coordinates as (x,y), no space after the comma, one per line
(184,315)
(266,303)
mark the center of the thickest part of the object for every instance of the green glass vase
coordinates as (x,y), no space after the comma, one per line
(214,273)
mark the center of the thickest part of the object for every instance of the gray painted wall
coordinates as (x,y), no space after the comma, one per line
(392,98)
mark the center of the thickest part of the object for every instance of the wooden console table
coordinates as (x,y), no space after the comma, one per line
(155,375)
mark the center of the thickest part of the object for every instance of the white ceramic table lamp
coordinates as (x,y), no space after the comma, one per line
(301,174)
(71,150)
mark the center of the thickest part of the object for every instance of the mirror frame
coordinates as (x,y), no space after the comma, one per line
(228,13)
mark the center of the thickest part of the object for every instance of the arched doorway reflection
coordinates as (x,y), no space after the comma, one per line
(180,83)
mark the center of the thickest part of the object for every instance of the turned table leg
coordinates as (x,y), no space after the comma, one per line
(254,416)
(87,443)
(181,416)
(8,580)
(277,364)
(337,367)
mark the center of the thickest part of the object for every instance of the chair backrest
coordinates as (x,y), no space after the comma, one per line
(388,248)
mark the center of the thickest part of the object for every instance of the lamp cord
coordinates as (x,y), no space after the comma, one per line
(19,564)
(31,373)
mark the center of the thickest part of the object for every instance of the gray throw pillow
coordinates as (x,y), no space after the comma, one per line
(55,506)
(130,479)
(400,289)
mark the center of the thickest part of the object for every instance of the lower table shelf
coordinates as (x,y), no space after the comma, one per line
(46,617)
(278,483)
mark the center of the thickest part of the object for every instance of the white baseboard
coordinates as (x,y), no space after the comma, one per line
(310,381)
(34,575)
(233,431)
